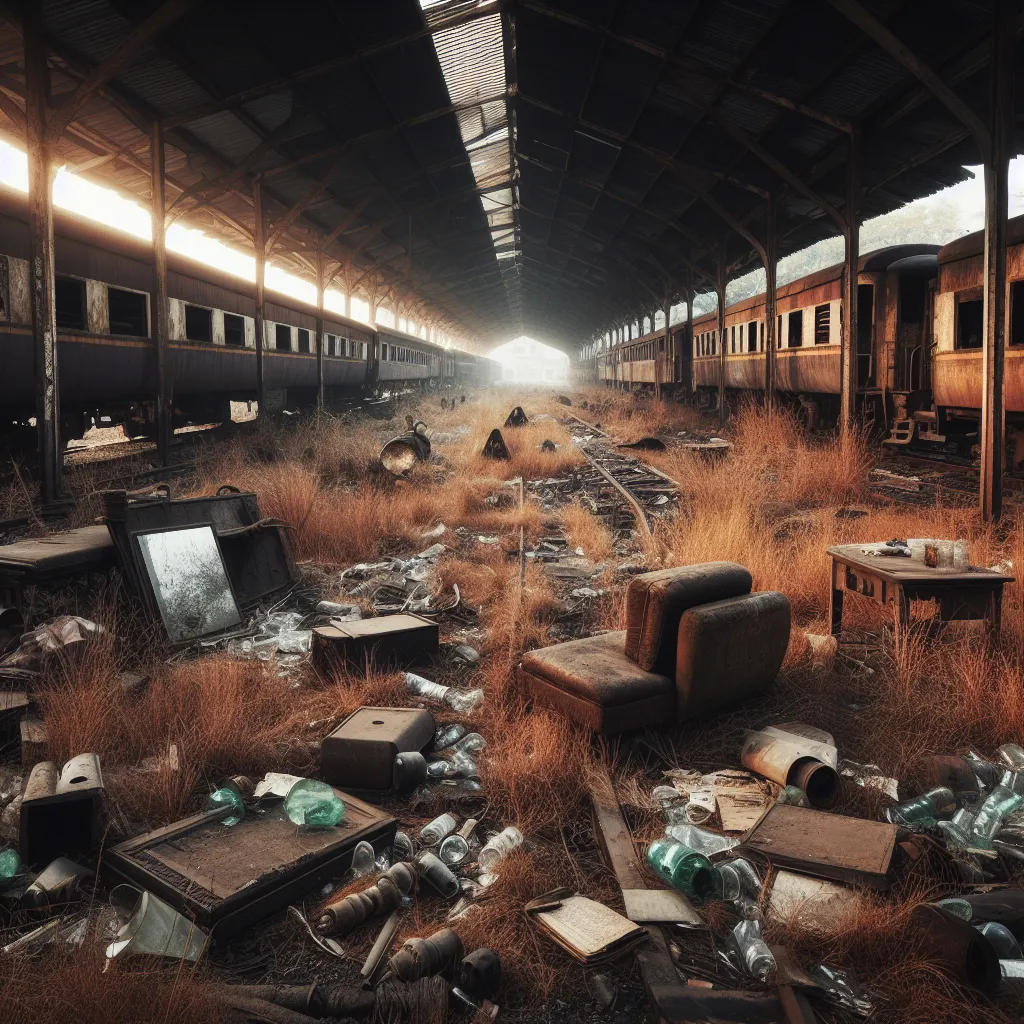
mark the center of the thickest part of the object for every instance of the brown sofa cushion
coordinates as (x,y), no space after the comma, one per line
(596,669)
(655,601)
(728,649)
(593,683)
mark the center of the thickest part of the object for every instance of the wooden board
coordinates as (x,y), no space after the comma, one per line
(853,850)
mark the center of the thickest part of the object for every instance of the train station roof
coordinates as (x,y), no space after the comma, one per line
(548,167)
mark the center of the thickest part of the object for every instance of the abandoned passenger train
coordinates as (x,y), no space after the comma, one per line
(106,357)
(919,330)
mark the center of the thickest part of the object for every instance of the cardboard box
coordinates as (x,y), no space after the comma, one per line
(392,641)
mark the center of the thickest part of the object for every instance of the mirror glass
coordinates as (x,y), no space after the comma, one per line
(188,578)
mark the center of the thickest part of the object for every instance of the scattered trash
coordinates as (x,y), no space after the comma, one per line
(751,951)
(645,444)
(401,453)
(437,874)
(495,447)
(562,400)
(547,446)
(399,640)
(813,904)
(461,701)
(499,847)
(589,931)
(516,418)
(956,947)
(66,635)
(314,804)
(798,755)
(344,915)
(685,869)
(150,927)
(337,610)
(422,958)
(62,815)
(361,753)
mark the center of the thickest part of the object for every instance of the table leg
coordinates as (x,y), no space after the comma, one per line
(903,603)
(995,616)
(835,607)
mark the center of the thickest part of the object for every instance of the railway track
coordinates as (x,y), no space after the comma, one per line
(645,491)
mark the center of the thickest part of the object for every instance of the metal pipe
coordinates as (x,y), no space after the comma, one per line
(260,243)
(848,353)
(769,308)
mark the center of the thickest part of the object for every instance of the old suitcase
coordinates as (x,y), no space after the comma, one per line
(226,877)
(361,752)
(391,641)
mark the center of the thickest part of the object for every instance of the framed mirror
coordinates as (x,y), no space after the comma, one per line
(191,586)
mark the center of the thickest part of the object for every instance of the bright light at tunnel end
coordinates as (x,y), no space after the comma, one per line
(527,361)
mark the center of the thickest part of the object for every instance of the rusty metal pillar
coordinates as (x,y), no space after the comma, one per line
(851,266)
(670,359)
(769,309)
(320,327)
(720,283)
(259,237)
(686,363)
(997,162)
(158,202)
(41,267)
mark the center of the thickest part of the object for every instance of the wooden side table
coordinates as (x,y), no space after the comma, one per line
(885,579)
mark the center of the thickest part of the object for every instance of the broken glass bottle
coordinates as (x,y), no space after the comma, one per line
(229,800)
(671,803)
(704,842)
(684,869)
(313,803)
(362,859)
(998,804)
(446,735)
(958,829)
(1011,755)
(923,810)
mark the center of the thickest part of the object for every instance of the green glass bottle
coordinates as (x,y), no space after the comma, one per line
(10,864)
(689,872)
(923,810)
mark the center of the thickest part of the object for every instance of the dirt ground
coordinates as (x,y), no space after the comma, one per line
(774,504)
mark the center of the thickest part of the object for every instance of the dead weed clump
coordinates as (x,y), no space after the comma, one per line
(82,986)
(585,530)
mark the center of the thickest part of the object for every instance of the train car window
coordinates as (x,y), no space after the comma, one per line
(821,324)
(796,328)
(128,313)
(282,338)
(1017,312)
(234,331)
(752,336)
(303,340)
(198,323)
(69,298)
(969,319)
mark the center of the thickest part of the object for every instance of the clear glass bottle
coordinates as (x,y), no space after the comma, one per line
(752,951)
(440,828)
(700,840)
(462,701)
(671,803)
(958,829)
(923,810)
(362,859)
(684,869)
(498,847)
(446,735)
(743,877)
(957,907)
(401,848)
(471,743)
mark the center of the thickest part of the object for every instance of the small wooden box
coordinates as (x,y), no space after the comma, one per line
(389,641)
(361,752)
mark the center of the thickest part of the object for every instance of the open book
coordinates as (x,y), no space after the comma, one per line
(589,931)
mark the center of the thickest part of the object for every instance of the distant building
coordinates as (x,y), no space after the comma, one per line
(526,361)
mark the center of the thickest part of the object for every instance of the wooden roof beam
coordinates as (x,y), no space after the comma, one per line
(902,54)
(125,53)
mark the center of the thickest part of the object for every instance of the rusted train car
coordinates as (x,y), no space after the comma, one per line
(105,351)
(919,324)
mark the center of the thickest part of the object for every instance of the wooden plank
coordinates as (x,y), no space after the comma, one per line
(853,850)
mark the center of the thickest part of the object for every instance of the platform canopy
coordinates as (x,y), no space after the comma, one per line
(541,167)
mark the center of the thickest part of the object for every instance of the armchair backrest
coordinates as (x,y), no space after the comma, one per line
(656,601)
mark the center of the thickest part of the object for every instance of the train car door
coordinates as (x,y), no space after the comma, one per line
(866,354)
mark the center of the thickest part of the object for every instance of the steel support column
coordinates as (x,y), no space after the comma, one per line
(41,267)
(320,275)
(259,238)
(770,261)
(848,354)
(994,300)
(720,283)
(158,193)
(686,363)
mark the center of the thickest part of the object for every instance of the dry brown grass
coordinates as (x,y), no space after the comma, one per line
(630,417)
(585,530)
(80,987)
